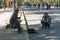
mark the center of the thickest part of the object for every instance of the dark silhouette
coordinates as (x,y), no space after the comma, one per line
(15,21)
(47,6)
(43,5)
(46,21)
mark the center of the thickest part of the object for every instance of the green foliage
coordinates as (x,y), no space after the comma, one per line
(35,1)
(32,1)
(59,1)
(1,2)
(40,1)
(20,1)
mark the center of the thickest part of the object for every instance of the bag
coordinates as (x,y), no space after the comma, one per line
(32,31)
(7,26)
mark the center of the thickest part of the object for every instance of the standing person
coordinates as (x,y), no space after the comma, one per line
(46,20)
(14,20)
(43,5)
(47,6)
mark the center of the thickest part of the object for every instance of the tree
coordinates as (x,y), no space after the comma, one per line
(32,1)
(1,3)
(20,1)
(7,3)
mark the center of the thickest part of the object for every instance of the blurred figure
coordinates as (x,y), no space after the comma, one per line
(43,5)
(47,6)
(46,20)
(15,20)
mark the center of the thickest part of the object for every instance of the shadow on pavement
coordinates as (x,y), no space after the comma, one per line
(45,34)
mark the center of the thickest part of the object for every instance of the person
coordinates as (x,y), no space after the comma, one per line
(43,5)
(14,20)
(46,20)
(47,5)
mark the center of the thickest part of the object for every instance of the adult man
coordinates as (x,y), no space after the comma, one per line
(46,20)
(14,20)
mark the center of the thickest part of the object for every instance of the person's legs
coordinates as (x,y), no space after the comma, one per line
(48,25)
(19,27)
(43,25)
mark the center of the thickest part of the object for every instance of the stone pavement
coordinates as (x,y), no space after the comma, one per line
(10,34)
(4,18)
(34,21)
(7,9)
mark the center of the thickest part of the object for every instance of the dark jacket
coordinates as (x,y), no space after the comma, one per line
(14,17)
(46,19)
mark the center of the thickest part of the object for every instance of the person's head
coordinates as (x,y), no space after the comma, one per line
(16,10)
(45,14)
